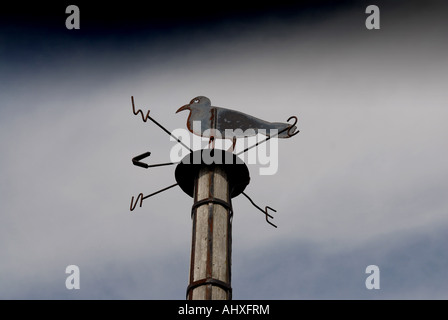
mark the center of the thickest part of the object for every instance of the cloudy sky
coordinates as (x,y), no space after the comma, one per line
(363,183)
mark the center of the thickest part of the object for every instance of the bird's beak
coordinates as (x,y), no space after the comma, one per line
(185,107)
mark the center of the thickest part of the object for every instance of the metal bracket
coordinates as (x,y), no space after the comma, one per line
(212,281)
(225,204)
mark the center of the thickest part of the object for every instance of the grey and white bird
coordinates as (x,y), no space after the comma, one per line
(238,124)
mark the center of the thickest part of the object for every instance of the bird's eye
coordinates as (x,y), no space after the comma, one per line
(196,100)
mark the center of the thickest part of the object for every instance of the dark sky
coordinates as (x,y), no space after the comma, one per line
(38,23)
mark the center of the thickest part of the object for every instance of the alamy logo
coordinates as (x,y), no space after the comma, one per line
(265,154)
(373,280)
(72,281)
(72,21)
(373,20)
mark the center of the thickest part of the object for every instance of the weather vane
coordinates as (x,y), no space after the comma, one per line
(212,177)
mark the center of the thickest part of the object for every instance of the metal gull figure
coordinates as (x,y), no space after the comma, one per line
(239,124)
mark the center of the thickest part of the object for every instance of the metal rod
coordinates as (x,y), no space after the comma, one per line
(145,118)
(281,131)
(161,164)
(161,127)
(161,190)
(265,211)
(260,142)
(140,197)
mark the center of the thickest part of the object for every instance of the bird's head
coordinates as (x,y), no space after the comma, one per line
(198,102)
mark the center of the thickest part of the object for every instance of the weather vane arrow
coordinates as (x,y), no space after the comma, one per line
(136,160)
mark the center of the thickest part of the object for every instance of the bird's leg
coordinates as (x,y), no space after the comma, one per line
(211,142)
(232,147)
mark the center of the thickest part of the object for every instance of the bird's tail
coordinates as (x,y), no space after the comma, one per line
(285,129)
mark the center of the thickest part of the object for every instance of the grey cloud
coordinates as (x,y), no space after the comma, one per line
(411,266)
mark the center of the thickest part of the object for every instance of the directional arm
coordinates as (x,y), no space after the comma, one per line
(136,161)
(147,116)
(140,197)
(265,211)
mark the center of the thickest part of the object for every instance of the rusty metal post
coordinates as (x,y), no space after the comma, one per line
(210,267)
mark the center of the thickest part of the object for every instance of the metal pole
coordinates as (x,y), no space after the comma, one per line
(210,267)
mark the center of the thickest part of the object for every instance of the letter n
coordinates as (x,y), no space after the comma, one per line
(373,21)
(373,281)
(72,281)
(72,21)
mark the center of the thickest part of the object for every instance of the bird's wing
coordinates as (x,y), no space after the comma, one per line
(242,124)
